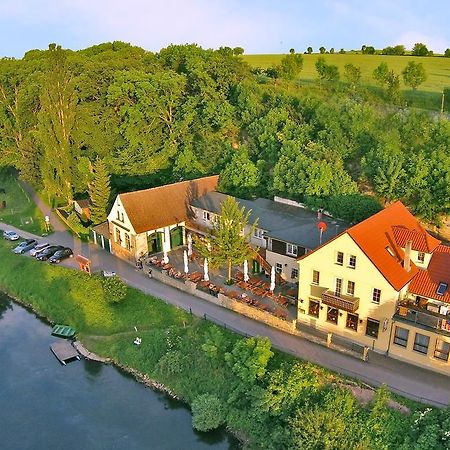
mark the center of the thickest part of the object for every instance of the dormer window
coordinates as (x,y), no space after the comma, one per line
(421,257)
(206,216)
(441,288)
(291,249)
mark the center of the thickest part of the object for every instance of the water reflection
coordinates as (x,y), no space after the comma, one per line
(84,405)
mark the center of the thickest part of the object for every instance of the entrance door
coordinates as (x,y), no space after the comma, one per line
(256,267)
(176,237)
(154,242)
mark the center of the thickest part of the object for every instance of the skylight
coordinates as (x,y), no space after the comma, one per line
(442,288)
(389,250)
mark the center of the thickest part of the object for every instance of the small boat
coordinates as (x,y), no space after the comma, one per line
(63,331)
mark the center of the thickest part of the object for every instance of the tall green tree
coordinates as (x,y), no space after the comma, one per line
(353,74)
(56,120)
(291,65)
(414,74)
(228,243)
(420,49)
(100,192)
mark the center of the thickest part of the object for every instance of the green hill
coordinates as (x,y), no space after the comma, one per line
(428,95)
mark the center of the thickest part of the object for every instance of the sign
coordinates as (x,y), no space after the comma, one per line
(322,226)
(47,219)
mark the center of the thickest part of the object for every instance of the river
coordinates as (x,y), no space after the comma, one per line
(84,405)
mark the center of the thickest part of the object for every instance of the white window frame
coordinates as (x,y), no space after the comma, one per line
(206,216)
(354,286)
(372,297)
(291,249)
(318,277)
(348,262)
(336,284)
(278,268)
(421,257)
(336,259)
(258,233)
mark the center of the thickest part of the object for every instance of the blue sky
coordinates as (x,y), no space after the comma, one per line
(261,26)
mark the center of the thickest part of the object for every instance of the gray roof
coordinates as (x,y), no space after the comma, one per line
(287,223)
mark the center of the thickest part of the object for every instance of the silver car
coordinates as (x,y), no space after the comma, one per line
(39,248)
(11,236)
(25,246)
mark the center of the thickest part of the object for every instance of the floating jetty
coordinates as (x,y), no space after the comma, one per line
(63,331)
(64,351)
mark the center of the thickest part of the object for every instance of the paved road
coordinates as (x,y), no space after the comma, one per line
(403,378)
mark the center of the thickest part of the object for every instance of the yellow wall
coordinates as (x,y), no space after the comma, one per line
(365,276)
(410,355)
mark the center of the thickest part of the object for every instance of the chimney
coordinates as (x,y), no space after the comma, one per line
(407,260)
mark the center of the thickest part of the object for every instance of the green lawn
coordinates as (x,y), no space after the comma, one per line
(428,95)
(20,210)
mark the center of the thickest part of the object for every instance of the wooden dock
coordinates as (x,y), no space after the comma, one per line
(64,351)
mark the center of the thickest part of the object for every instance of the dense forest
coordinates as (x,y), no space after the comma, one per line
(185,112)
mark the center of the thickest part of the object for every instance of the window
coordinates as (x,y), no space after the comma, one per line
(118,236)
(258,233)
(421,257)
(376,295)
(350,287)
(278,268)
(314,308)
(332,315)
(291,249)
(339,258)
(337,286)
(121,217)
(206,216)
(421,343)
(316,277)
(372,328)
(401,336)
(442,350)
(118,215)
(352,322)
(294,274)
(127,241)
(441,288)
(352,261)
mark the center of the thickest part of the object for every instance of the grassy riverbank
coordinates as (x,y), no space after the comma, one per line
(276,401)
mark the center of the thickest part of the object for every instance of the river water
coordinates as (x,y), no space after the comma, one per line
(84,405)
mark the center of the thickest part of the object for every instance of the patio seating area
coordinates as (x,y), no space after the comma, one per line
(254,292)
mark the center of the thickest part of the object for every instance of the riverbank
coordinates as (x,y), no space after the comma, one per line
(273,399)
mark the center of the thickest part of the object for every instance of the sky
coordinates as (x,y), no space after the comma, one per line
(259,26)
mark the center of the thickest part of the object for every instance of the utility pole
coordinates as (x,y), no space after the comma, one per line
(442,102)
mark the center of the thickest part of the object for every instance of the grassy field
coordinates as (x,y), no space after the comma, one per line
(428,95)
(20,210)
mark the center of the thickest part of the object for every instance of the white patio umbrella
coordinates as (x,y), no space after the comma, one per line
(165,258)
(189,240)
(186,262)
(246,277)
(272,279)
(205,270)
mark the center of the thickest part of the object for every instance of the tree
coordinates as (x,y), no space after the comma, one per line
(56,120)
(292,51)
(380,73)
(309,50)
(322,50)
(352,74)
(228,243)
(447,53)
(342,51)
(100,192)
(420,49)
(240,177)
(331,50)
(414,74)
(367,50)
(207,412)
(387,78)
(327,72)
(290,66)
(237,51)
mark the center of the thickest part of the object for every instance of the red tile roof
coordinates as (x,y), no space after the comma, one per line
(421,240)
(158,207)
(426,282)
(375,236)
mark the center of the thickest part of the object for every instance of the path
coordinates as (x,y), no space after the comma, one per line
(405,379)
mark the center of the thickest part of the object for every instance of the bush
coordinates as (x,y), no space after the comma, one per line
(207,413)
(115,289)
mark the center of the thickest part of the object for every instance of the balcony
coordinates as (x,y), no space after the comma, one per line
(340,301)
(423,318)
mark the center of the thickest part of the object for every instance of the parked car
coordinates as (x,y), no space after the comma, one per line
(58,256)
(47,252)
(25,246)
(11,235)
(38,248)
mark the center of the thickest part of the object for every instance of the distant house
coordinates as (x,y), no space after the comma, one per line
(154,220)
(285,230)
(384,284)
(83,207)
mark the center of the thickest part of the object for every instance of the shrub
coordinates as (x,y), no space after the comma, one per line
(115,289)
(207,413)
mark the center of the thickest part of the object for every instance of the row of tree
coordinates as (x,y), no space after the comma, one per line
(187,112)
